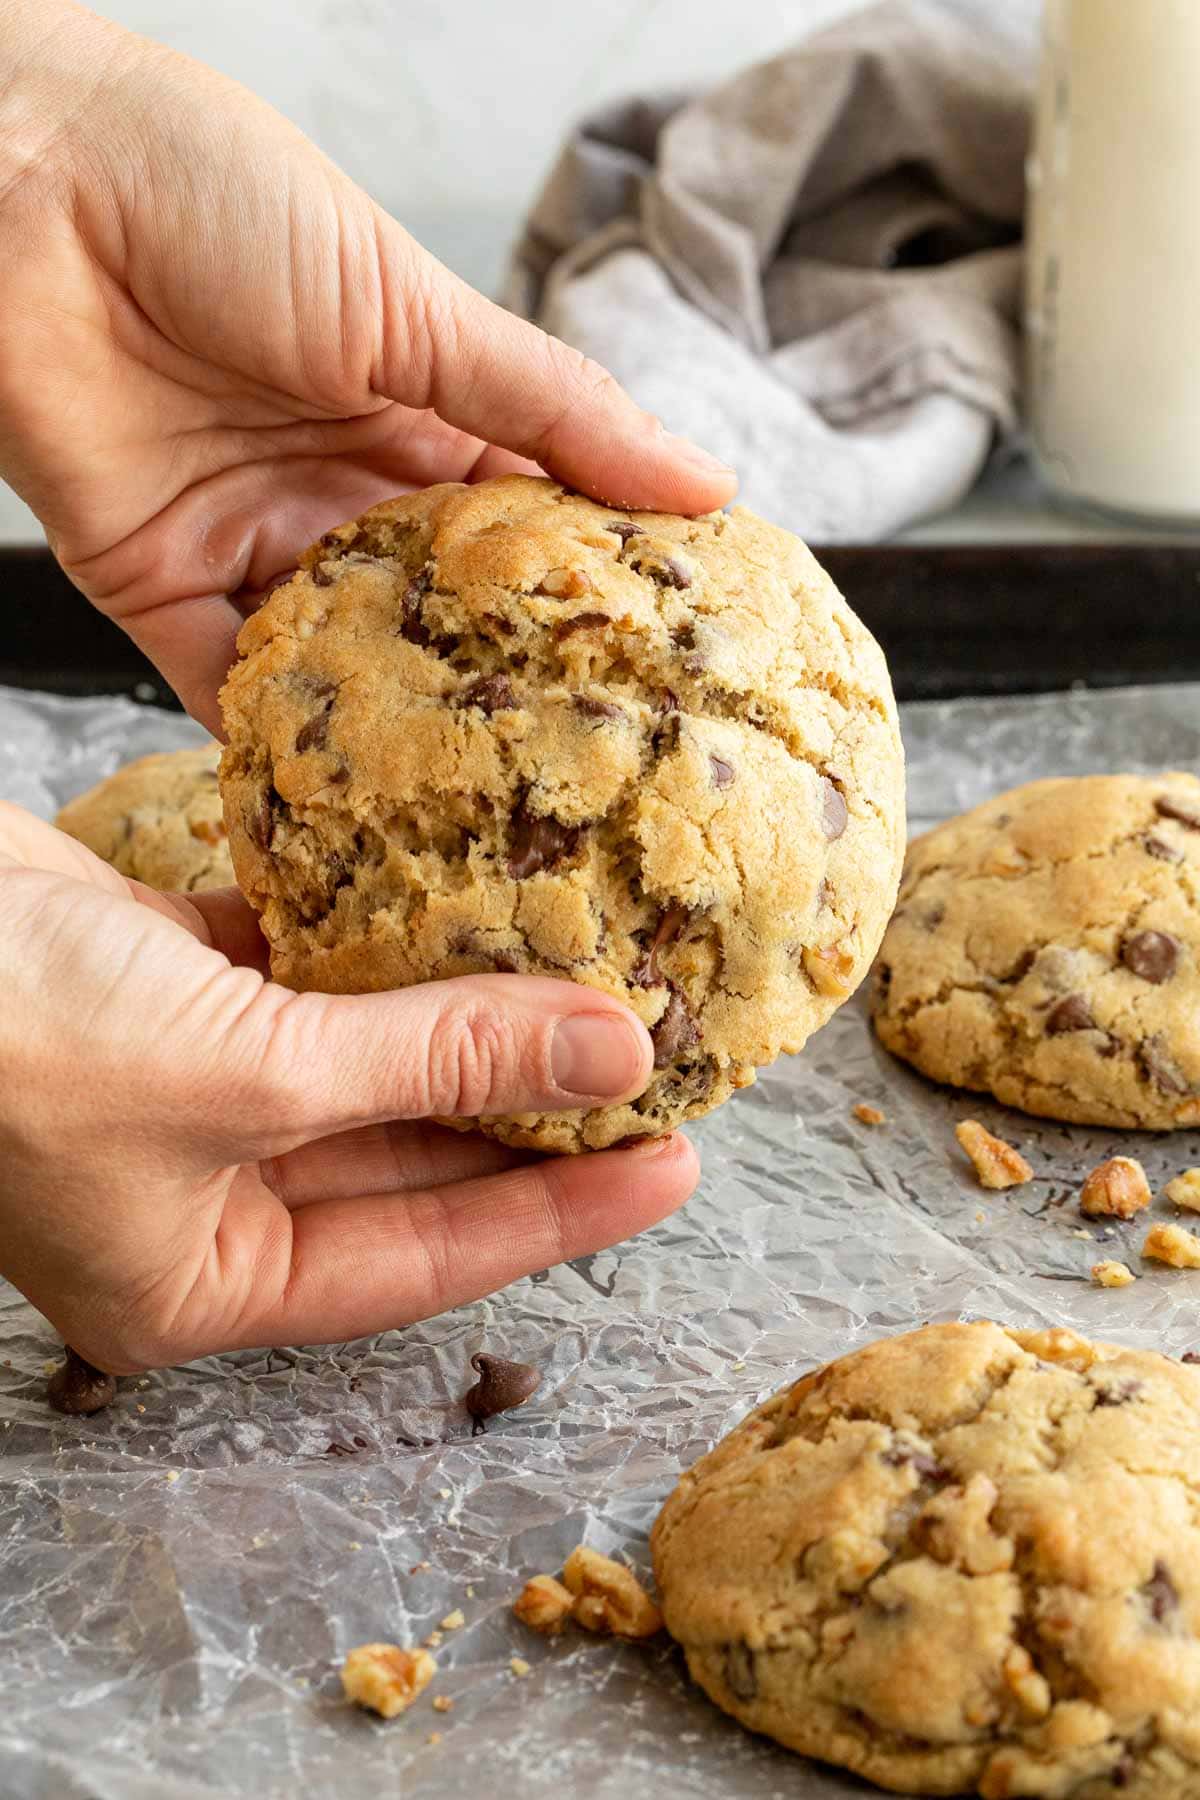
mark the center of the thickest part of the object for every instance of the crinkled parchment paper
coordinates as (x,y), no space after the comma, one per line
(180,1577)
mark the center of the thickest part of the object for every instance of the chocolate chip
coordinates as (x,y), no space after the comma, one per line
(260,823)
(883,983)
(79,1387)
(340,777)
(1151,955)
(490,693)
(624,529)
(1123,1772)
(723,774)
(323,574)
(412,625)
(928,1467)
(1072,1014)
(834,811)
(1167,808)
(933,918)
(676,1032)
(1158,1066)
(1164,852)
(741,1677)
(666,703)
(505,964)
(584,621)
(673,574)
(337,1450)
(665,740)
(501,1386)
(499,623)
(536,843)
(1161,1594)
(1119,1394)
(1190,1356)
(313,735)
(647,973)
(597,709)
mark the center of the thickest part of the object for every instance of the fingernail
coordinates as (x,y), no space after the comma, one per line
(595,1053)
(691,453)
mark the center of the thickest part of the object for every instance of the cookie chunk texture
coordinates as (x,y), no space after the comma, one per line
(1046,949)
(962,1560)
(503,728)
(158,820)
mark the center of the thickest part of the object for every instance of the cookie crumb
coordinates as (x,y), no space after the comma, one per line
(1117,1188)
(544,1604)
(608,1597)
(453,1621)
(172,1474)
(738,1367)
(435,1737)
(1185,1190)
(386,1679)
(434,1640)
(1112,1274)
(444,1493)
(420,1568)
(518,1665)
(996,1163)
(470,1593)
(1172,1244)
(442,1703)
(868,1115)
(138,1407)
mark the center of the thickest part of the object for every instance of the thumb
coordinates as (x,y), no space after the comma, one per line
(505,381)
(480,1045)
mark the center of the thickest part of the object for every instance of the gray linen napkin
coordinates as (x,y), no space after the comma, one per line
(814,271)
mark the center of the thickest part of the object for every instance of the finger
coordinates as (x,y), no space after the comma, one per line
(299,1066)
(504,381)
(395,1157)
(352,1267)
(222,918)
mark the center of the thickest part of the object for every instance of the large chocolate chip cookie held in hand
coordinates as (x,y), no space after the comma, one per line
(503,728)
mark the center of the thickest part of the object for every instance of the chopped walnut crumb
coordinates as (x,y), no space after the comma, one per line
(869,1115)
(544,1603)
(453,1621)
(608,1596)
(1185,1190)
(435,1737)
(518,1665)
(386,1678)
(1172,1244)
(997,1164)
(829,970)
(1117,1188)
(442,1703)
(1112,1274)
(434,1639)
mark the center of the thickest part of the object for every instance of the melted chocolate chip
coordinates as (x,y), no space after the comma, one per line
(412,625)
(1167,808)
(1124,1772)
(323,574)
(536,843)
(883,983)
(723,773)
(741,1677)
(666,738)
(1190,1356)
(834,811)
(313,734)
(1164,852)
(673,574)
(666,703)
(501,1386)
(670,923)
(1151,955)
(490,693)
(676,1032)
(1161,1594)
(340,777)
(260,824)
(1119,1394)
(79,1387)
(505,964)
(1072,1014)
(1159,1067)
(624,529)
(584,621)
(597,709)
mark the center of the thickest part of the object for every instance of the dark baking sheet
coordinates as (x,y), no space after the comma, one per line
(954,620)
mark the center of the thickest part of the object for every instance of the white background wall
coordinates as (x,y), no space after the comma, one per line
(450,111)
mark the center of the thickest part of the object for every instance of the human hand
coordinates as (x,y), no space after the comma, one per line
(214,346)
(195,1159)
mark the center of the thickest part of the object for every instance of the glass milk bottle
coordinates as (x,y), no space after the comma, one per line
(1113,269)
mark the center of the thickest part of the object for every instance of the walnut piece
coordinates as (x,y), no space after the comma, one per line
(1117,1189)
(829,971)
(997,1164)
(608,1597)
(869,1115)
(1185,1190)
(544,1603)
(386,1678)
(1112,1274)
(1172,1244)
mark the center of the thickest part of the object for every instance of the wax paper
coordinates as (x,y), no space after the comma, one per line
(181,1576)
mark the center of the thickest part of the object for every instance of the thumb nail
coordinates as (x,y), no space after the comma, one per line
(691,453)
(598,1054)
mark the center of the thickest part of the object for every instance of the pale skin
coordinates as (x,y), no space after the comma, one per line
(213,347)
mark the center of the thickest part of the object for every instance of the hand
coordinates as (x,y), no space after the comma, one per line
(213,346)
(197,1160)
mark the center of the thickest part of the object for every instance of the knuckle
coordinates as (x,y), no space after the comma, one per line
(470,1060)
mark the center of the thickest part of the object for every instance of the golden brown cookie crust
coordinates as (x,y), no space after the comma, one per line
(158,820)
(504,728)
(962,1559)
(1046,949)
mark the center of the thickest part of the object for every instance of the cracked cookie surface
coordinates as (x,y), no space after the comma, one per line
(965,1559)
(1046,949)
(158,820)
(503,728)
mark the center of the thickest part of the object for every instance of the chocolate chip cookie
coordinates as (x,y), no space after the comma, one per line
(966,1559)
(504,728)
(1046,949)
(158,820)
